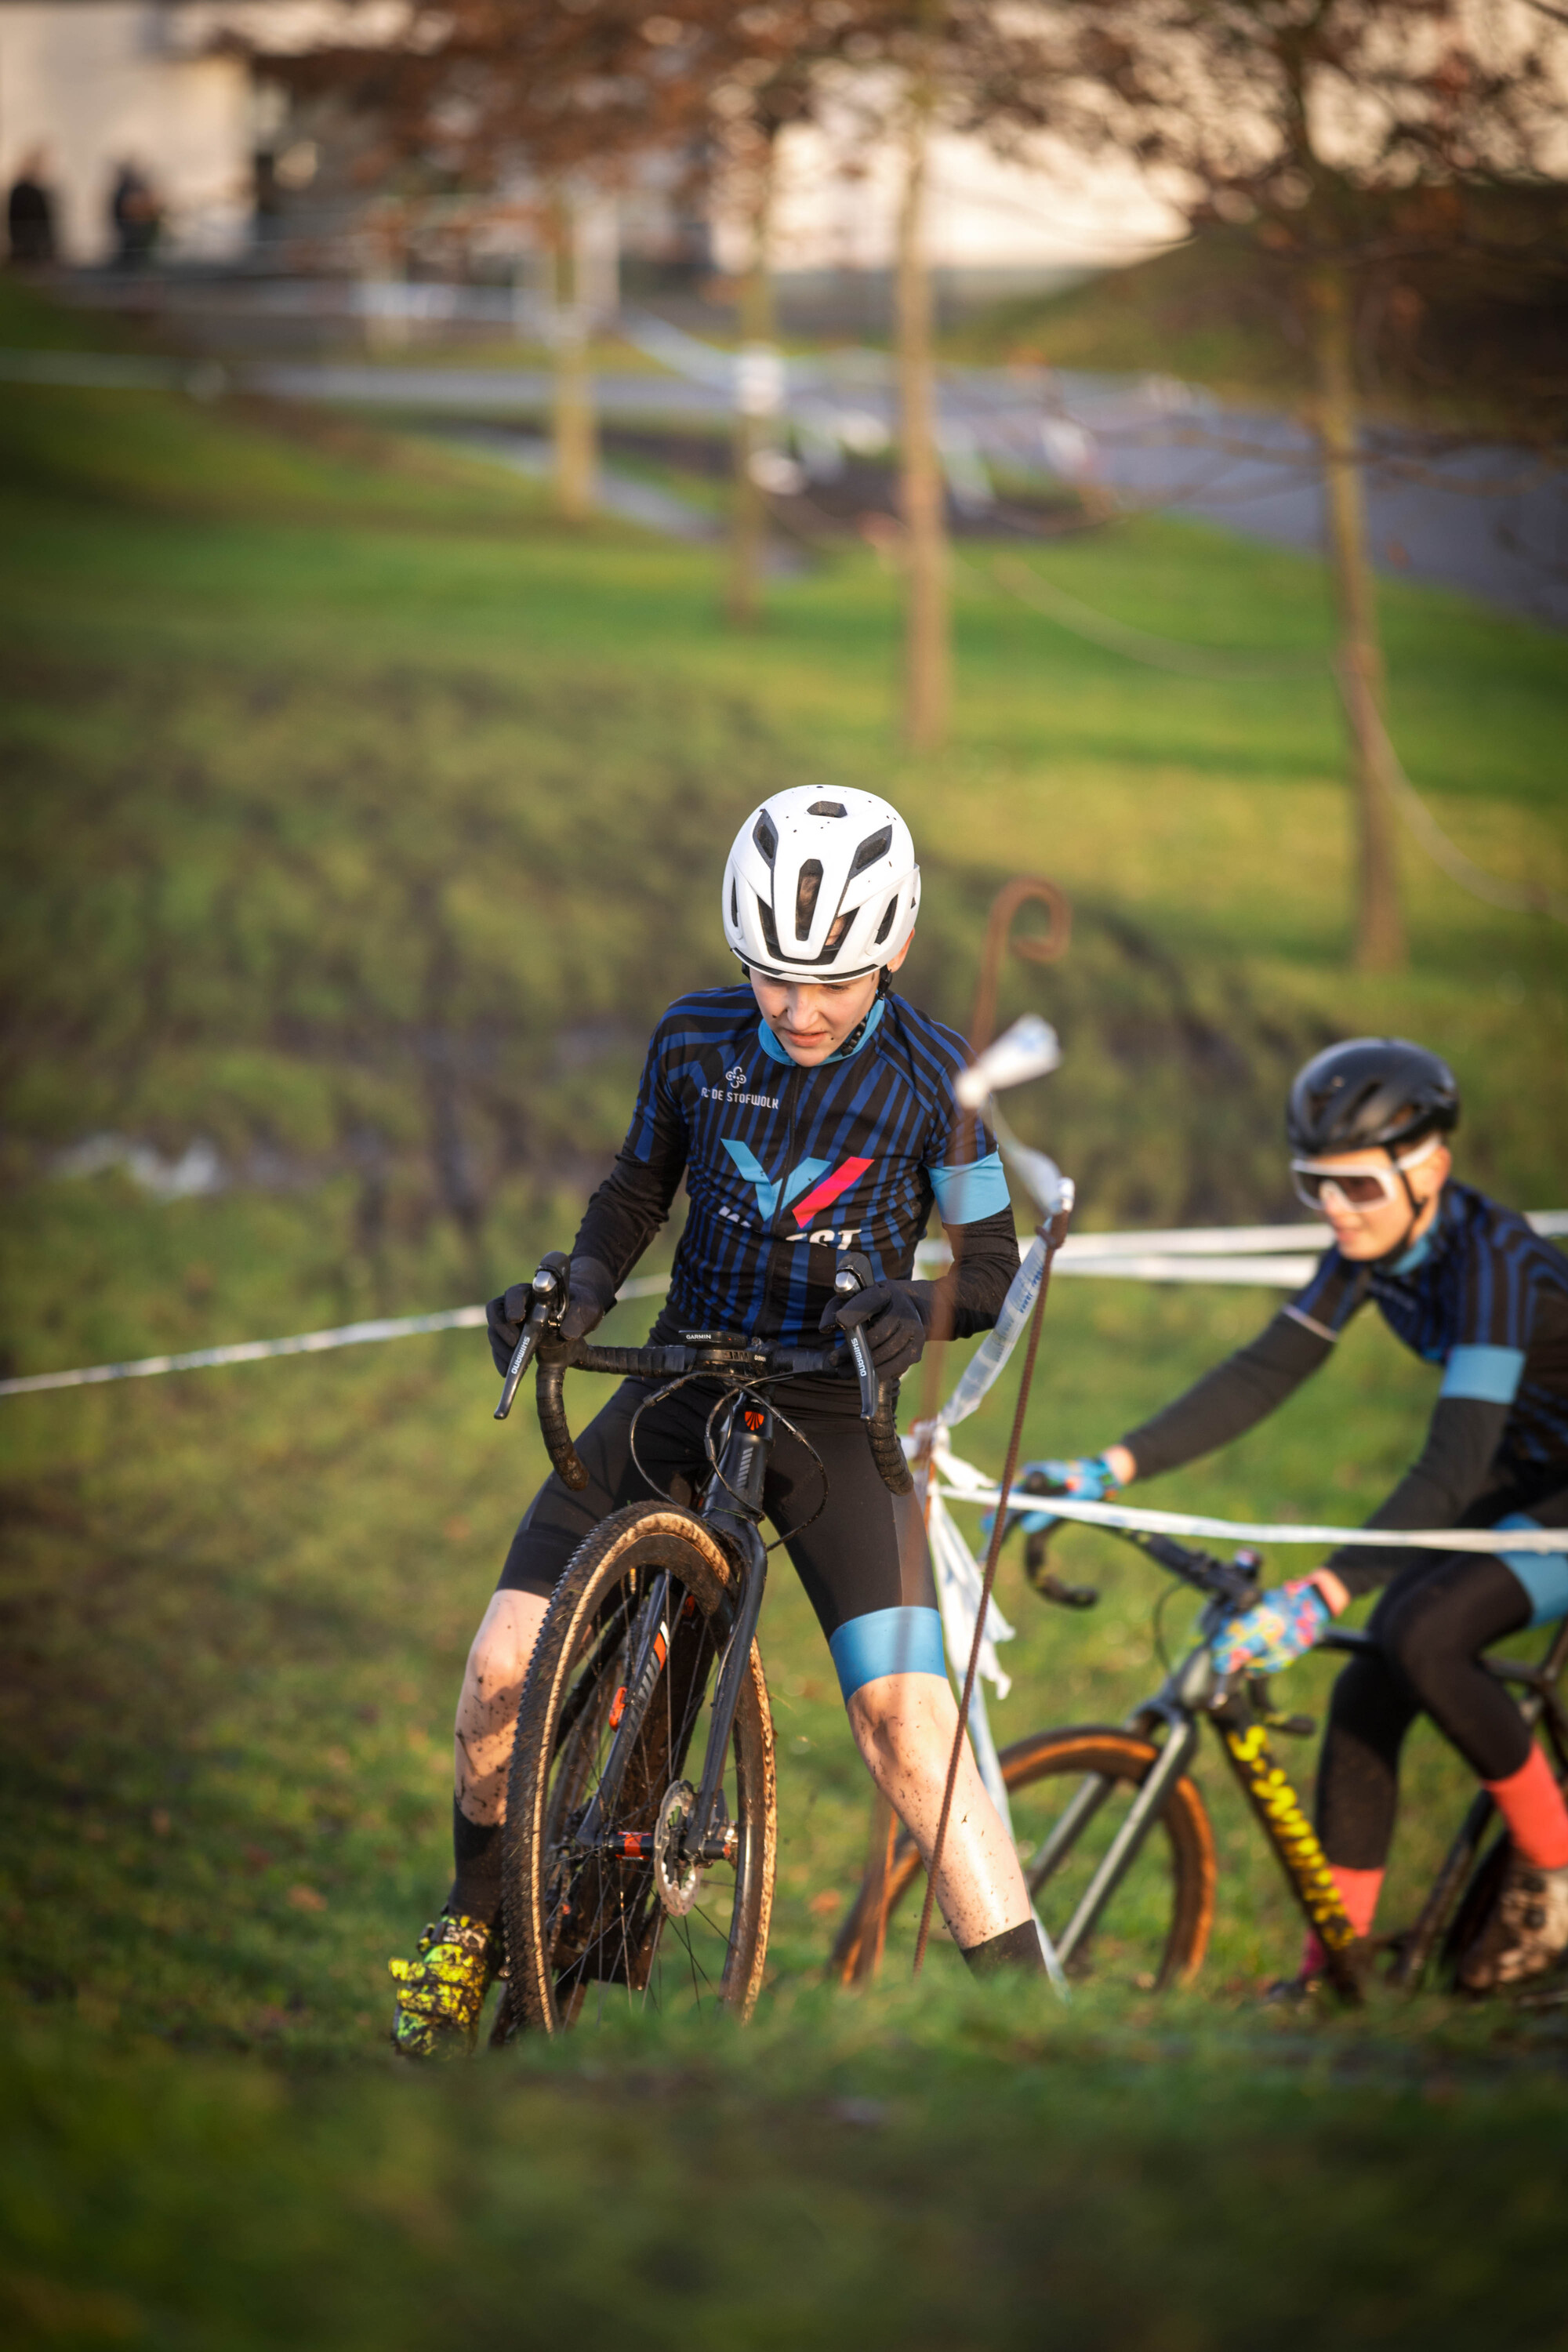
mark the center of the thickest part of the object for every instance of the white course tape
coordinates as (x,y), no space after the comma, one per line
(1262,1531)
(1204,1254)
(252,1351)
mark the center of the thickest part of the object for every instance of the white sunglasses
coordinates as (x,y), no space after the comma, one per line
(1355,1187)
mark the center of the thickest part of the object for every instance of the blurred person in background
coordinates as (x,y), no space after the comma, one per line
(135,216)
(1471,1289)
(30,213)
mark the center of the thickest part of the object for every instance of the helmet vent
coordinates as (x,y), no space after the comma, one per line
(764,836)
(734,906)
(874,846)
(827,808)
(887,924)
(770,932)
(805,897)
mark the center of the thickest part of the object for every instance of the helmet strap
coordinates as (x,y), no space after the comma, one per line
(1393,1255)
(884,987)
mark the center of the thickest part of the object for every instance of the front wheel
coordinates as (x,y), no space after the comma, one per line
(1069,1794)
(598,1901)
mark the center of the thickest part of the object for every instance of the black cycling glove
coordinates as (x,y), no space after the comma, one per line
(590,1294)
(894,1315)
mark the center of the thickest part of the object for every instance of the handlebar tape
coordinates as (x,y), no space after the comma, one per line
(553,1427)
(882,1436)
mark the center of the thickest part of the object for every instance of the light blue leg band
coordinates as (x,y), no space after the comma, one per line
(888,1642)
(1543,1574)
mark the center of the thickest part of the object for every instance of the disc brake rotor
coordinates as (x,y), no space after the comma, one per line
(678,1879)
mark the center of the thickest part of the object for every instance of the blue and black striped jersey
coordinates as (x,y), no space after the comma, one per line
(1480,1294)
(785,1166)
(1484,1296)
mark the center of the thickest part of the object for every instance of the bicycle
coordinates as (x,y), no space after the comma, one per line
(617,1870)
(1087,1800)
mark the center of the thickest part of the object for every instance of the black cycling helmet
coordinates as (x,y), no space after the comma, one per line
(1368,1092)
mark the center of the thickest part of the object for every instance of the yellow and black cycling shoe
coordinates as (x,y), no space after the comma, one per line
(441,1993)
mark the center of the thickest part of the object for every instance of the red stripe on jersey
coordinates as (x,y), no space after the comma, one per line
(823,1195)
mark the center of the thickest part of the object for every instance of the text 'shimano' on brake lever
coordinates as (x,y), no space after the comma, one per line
(854,1274)
(549,1297)
(878,1398)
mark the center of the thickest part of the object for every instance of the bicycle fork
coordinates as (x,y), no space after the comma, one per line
(707,1835)
(1122,1851)
(1268,1790)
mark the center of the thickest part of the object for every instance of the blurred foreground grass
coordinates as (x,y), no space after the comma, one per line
(361,821)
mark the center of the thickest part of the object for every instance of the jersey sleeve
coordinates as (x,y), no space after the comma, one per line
(633,1201)
(964,1163)
(1482,1375)
(1256,1379)
(969,1185)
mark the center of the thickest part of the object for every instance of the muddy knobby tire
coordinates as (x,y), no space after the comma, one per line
(581,1932)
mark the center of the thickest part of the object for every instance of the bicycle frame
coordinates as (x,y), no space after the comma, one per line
(1243,1724)
(732,1505)
(1179,1706)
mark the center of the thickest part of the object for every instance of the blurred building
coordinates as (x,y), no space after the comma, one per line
(226,147)
(171,89)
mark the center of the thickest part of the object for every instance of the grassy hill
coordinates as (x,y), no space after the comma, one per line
(359,820)
(1210,312)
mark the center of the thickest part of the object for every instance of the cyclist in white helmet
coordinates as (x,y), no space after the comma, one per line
(810,1111)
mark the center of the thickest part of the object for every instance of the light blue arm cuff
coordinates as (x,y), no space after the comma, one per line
(964,1195)
(1492,1375)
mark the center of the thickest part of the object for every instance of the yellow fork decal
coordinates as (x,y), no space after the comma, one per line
(1292,1834)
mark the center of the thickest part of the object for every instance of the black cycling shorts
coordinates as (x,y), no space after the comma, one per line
(864,1561)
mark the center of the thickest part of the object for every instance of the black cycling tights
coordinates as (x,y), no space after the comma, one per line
(1431,1625)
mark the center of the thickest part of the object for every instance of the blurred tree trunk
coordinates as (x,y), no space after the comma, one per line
(573,438)
(758,393)
(1379,924)
(926,651)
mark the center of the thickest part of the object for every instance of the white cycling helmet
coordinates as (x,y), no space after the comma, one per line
(821,885)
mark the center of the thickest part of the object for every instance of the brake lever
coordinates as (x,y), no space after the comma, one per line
(854,1274)
(550,1293)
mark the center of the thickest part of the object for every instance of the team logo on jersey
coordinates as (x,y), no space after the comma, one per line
(808,1189)
(736,1076)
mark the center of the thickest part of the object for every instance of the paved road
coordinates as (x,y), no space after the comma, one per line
(1492,522)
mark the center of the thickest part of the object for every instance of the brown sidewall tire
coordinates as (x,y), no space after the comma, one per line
(647,1536)
(1120,1756)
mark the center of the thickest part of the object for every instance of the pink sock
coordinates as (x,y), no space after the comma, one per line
(1359,1891)
(1530,1802)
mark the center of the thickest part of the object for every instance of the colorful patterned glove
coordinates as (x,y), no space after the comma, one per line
(1087,1479)
(1277,1629)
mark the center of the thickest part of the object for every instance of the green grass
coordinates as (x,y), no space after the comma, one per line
(361,820)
